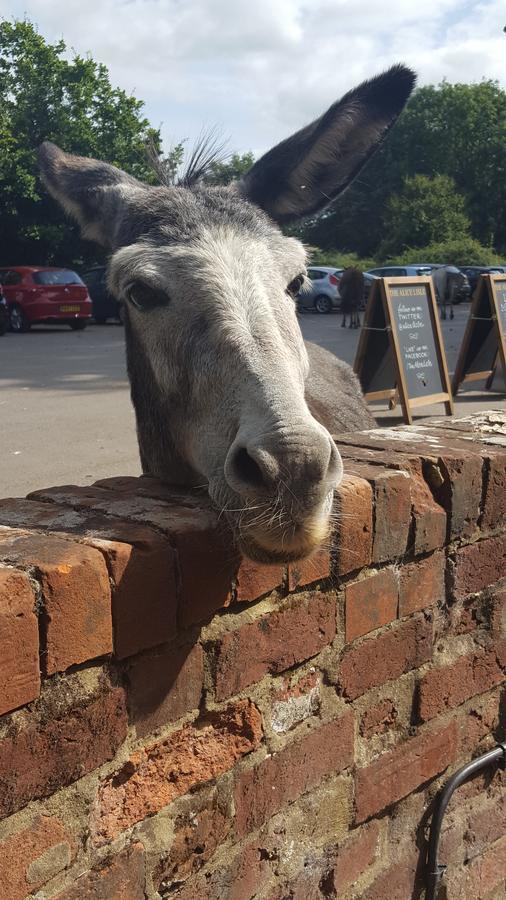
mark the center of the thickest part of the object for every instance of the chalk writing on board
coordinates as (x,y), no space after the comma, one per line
(418,354)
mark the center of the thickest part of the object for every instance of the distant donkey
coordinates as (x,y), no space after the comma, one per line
(224,389)
(448,281)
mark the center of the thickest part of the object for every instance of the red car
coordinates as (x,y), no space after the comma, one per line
(44,294)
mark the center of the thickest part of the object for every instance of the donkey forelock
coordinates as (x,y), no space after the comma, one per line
(220,376)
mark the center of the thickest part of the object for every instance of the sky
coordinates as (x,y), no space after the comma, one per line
(258,70)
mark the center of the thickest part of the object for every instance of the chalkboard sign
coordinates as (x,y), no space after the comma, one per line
(400,350)
(484,338)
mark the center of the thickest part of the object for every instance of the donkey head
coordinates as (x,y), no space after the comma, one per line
(216,359)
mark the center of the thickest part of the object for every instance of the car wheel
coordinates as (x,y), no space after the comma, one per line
(78,324)
(322,304)
(18,321)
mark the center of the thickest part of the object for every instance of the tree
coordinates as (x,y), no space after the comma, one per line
(458,130)
(231,170)
(425,211)
(45,96)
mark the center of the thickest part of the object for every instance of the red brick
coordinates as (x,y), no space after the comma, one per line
(120,877)
(31,857)
(396,882)
(485,826)
(353,534)
(402,770)
(157,774)
(240,877)
(355,856)
(460,489)
(422,584)
(295,703)
(480,877)
(76,596)
(428,517)
(445,687)
(71,739)
(498,614)
(385,657)
(392,505)
(479,722)
(163,685)
(197,834)
(274,642)
(144,596)
(494,500)
(308,571)
(479,565)
(253,580)
(279,779)
(19,640)
(371,603)
(378,719)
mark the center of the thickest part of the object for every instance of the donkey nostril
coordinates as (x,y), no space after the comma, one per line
(247,469)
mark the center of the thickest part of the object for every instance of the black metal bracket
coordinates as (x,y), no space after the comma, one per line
(435,870)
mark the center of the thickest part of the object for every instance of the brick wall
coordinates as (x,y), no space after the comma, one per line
(179,723)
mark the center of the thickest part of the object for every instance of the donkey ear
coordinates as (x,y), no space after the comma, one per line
(306,171)
(90,191)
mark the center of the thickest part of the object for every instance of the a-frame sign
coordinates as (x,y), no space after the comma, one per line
(400,351)
(484,342)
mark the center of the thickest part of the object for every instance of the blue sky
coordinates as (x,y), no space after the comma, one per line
(259,69)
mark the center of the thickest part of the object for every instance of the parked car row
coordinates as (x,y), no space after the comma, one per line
(323,293)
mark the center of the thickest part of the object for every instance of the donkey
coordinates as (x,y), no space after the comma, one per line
(225,391)
(448,281)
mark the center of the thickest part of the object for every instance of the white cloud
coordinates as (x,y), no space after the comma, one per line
(260,69)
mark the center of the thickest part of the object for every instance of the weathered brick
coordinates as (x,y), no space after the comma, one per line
(498,614)
(19,641)
(76,596)
(308,571)
(429,519)
(456,480)
(385,657)
(354,517)
(478,722)
(74,737)
(494,500)
(144,596)
(163,685)
(119,877)
(32,856)
(481,876)
(197,833)
(400,771)
(252,580)
(274,642)
(396,882)
(422,584)
(279,779)
(157,774)
(371,603)
(355,856)
(240,877)
(296,702)
(378,719)
(485,826)
(479,565)
(445,687)
(392,505)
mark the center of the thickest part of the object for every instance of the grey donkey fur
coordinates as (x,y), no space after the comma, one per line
(225,392)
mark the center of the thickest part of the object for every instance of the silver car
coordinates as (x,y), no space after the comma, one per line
(323,295)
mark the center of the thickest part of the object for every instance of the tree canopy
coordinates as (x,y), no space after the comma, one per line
(44,96)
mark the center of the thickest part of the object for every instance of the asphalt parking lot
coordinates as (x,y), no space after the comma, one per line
(65,412)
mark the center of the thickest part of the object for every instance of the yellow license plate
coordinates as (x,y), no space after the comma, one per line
(70,308)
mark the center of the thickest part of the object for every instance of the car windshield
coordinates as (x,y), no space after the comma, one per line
(57,276)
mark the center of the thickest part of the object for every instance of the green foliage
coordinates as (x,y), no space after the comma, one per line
(426,210)
(43,96)
(457,130)
(231,170)
(460,251)
(340,260)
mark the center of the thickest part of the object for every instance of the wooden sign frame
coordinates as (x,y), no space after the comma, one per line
(485,294)
(381,293)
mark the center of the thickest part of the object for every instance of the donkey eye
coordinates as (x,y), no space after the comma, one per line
(144,297)
(295,285)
